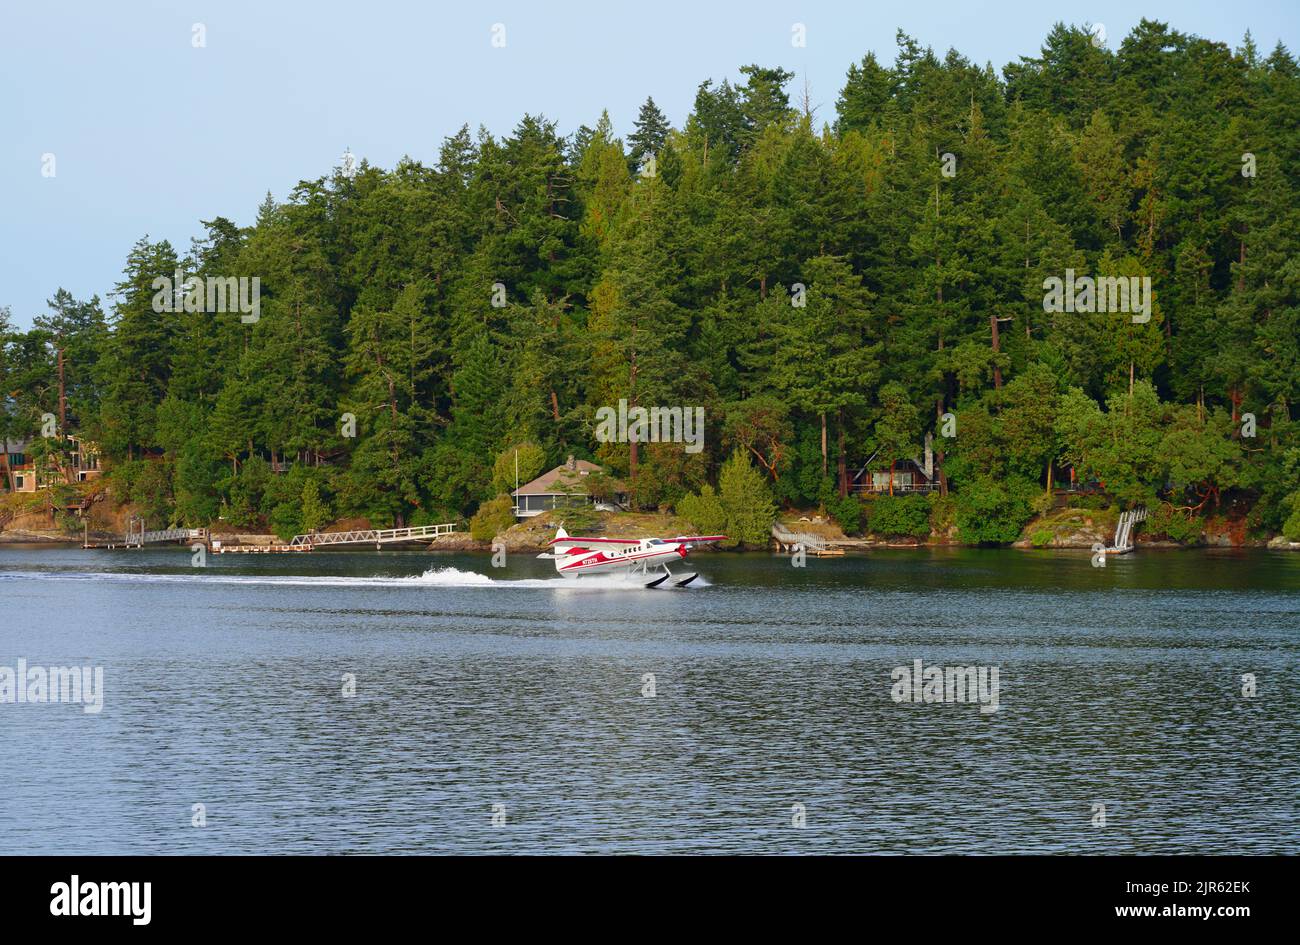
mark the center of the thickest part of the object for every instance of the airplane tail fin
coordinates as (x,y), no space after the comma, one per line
(557,558)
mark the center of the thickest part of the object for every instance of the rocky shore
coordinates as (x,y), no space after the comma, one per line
(1067,529)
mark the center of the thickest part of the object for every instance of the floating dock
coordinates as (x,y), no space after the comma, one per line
(220,549)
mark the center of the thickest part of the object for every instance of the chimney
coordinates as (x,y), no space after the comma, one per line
(570,464)
(929,456)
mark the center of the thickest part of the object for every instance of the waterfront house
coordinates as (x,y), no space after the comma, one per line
(567,486)
(83,459)
(908,475)
(20,471)
(23,474)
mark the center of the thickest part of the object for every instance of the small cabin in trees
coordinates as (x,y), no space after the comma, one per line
(908,475)
(567,486)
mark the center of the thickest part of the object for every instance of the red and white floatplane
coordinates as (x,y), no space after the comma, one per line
(633,557)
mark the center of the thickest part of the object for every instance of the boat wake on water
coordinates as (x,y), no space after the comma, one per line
(434,577)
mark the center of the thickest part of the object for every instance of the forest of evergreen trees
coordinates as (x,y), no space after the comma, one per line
(826,286)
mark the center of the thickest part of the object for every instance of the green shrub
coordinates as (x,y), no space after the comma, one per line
(1042,537)
(899,516)
(286,520)
(579,518)
(240,513)
(847,513)
(943,512)
(703,511)
(1174,524)
(247,491)
(315,511)
(146,484)
(492,518)
(1291,528)
(1042,503)
(747,502)
(994,511)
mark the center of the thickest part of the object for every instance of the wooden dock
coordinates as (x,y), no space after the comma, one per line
(220,548)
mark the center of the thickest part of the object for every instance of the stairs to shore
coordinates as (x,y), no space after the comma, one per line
(787,540)
(1123,542)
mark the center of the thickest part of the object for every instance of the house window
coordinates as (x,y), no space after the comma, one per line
(18,482)
(902,480)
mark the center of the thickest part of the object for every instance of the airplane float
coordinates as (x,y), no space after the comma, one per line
(575,557)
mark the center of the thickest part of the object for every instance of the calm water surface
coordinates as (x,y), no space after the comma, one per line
(478,687)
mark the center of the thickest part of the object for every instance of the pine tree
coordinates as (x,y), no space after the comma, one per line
(746,502)
(315,513)
(144,330)
(649,136)
(867,91)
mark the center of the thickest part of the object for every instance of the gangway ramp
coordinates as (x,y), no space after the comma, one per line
(372,536)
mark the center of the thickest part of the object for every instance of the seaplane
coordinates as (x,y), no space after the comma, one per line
(575,557)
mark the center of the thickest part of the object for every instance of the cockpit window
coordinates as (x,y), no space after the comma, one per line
(656,541)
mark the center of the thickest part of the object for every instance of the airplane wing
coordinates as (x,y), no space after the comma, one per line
(571,542)
(700,538)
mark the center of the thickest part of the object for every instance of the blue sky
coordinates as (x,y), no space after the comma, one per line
(151,134)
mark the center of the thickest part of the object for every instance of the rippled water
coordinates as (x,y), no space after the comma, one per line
(478,687)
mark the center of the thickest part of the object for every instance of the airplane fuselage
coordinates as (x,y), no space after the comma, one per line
(575,556)
(648,554)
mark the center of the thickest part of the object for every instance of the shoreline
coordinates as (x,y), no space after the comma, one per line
(847,546)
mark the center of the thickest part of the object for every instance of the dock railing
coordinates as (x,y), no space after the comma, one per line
(1123,542)
(785,538)
(373,536)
